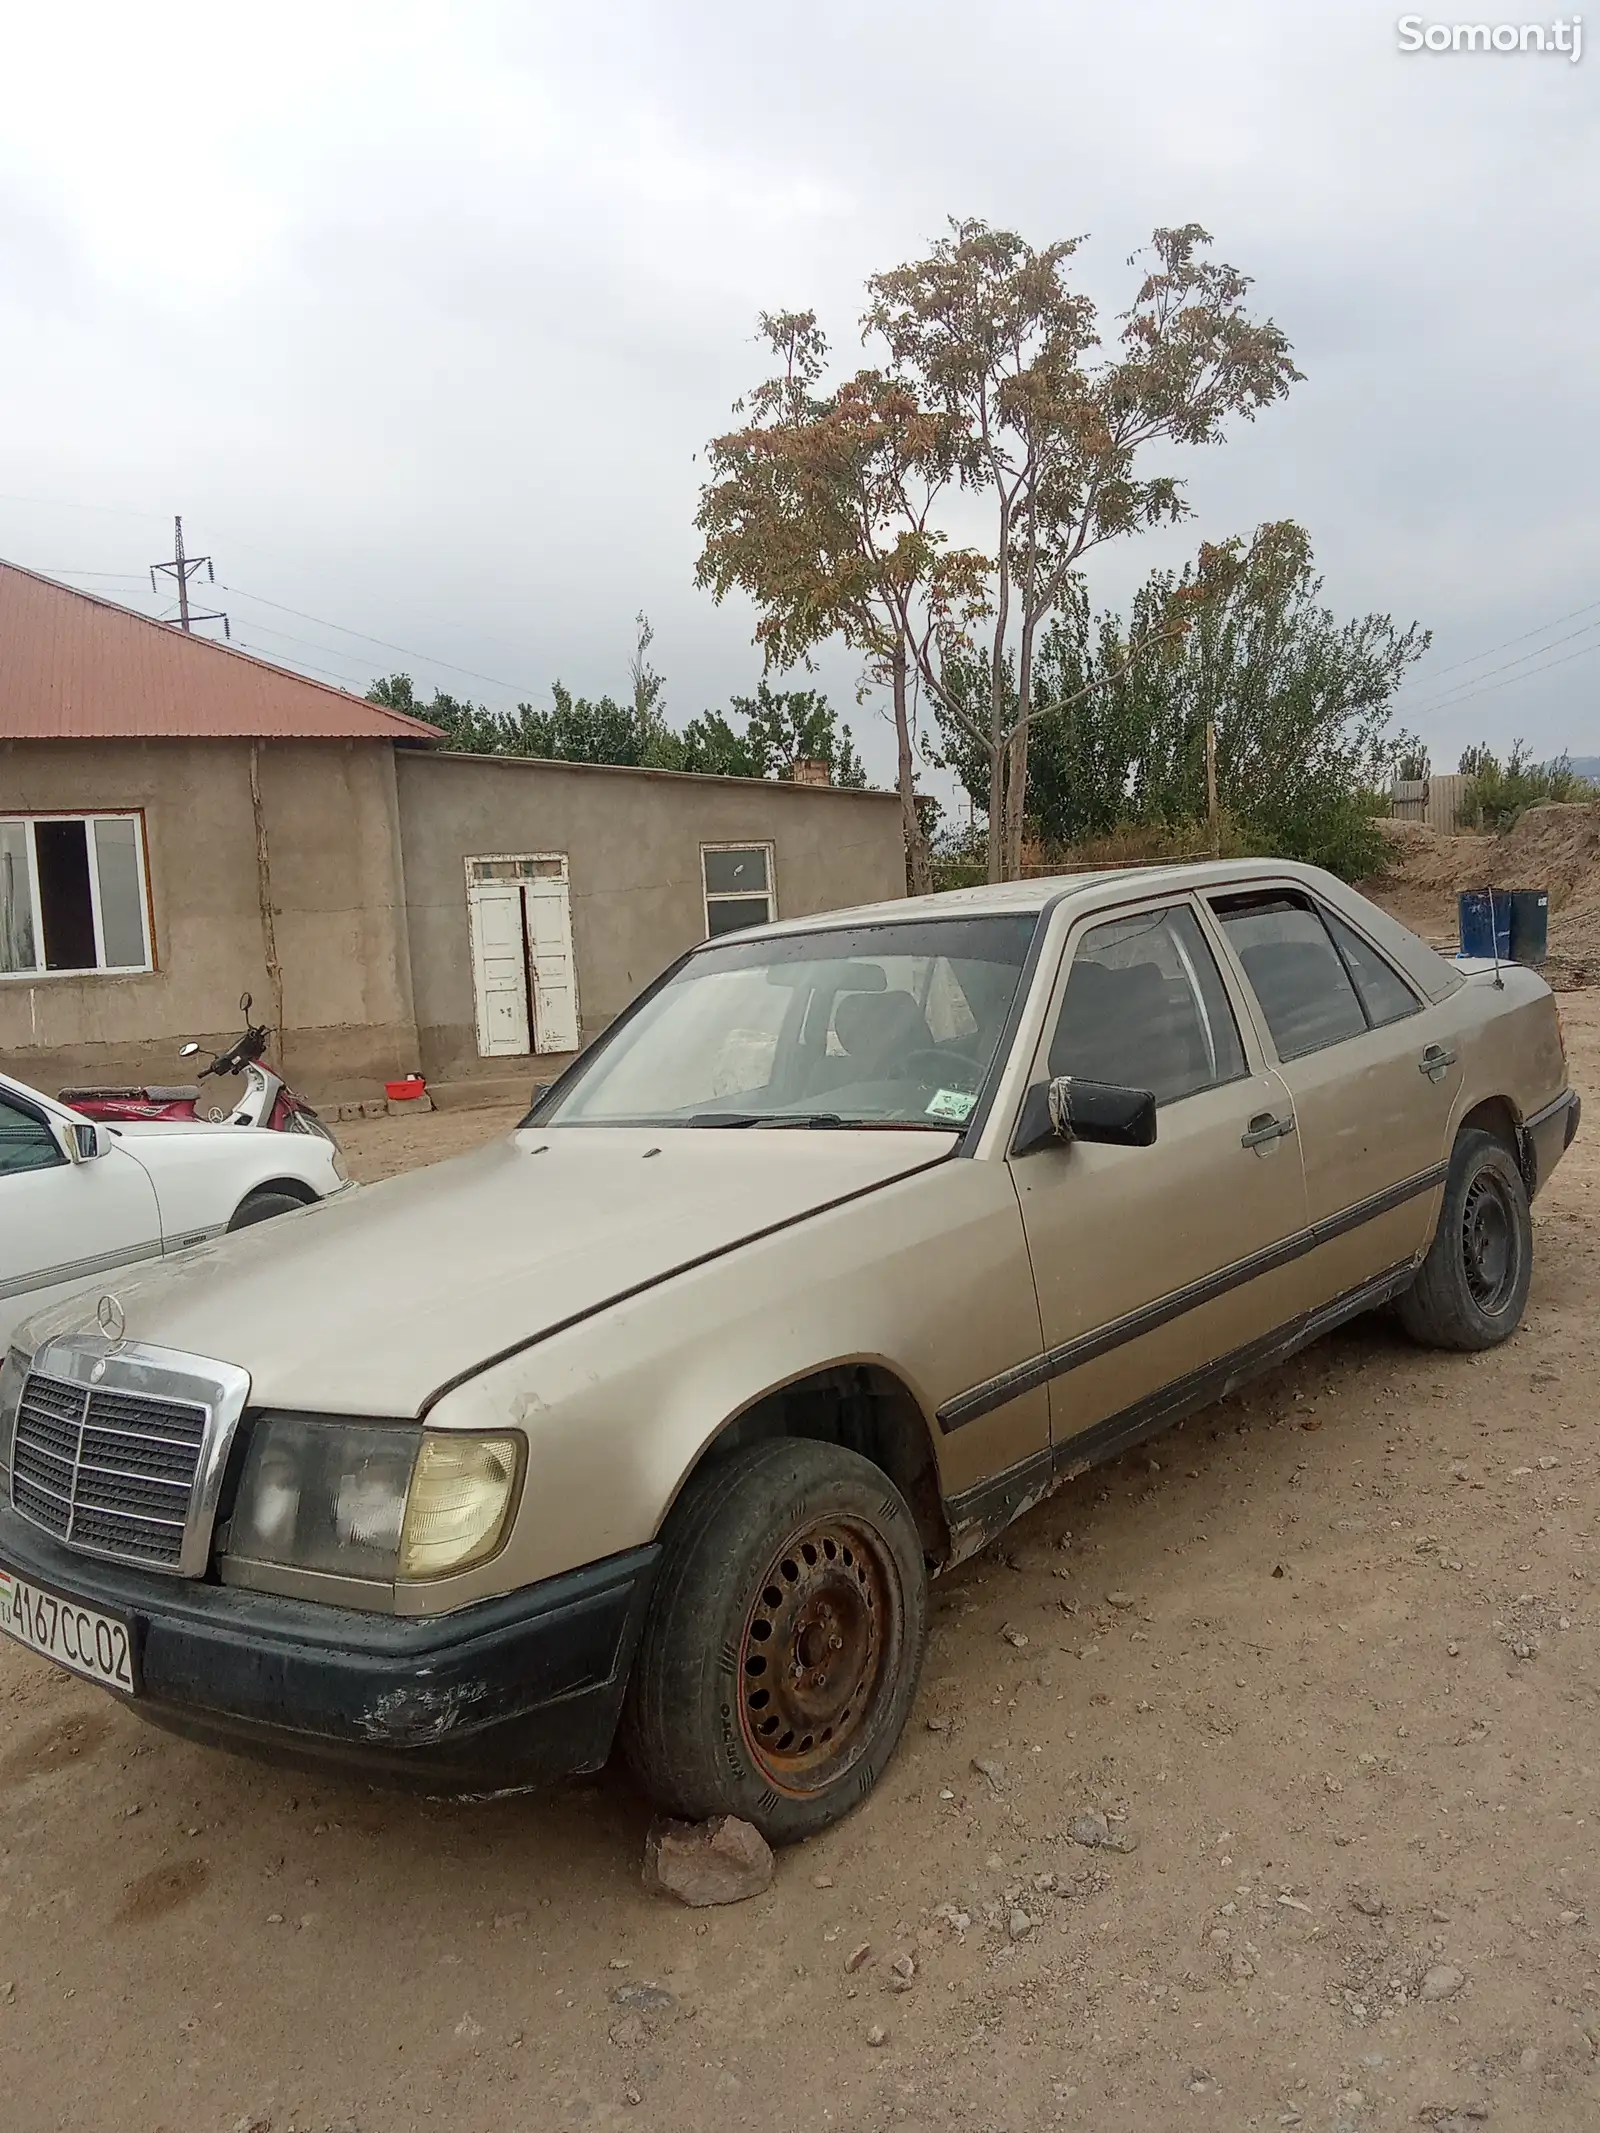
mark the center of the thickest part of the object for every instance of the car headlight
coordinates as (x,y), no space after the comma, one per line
(382,1500)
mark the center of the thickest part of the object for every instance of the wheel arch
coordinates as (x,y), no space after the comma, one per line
(866,1407)
(292,1188)
(1499,1116)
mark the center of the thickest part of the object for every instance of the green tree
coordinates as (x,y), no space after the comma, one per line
(990,332)
(1497,794)
(1299,702)
(818,509)
(659,747)
(779,728)
(833,510)
(782,728)
(469,728)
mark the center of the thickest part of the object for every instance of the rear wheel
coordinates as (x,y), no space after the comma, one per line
(262,1206)
(781,1655)
(1472,1288)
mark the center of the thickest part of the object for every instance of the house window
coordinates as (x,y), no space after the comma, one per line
(738,885)
(73,894)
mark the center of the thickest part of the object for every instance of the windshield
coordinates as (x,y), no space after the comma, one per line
(871,1025)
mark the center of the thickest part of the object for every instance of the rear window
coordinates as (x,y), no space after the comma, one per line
(1295,971)
(1383,995)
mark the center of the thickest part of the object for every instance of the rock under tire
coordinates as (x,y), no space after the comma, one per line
(1472,1288)
(791,1595)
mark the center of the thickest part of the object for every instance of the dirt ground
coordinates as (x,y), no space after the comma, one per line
(1556,848)
(1330,1658)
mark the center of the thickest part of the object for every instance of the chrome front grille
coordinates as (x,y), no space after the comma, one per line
(108,1471)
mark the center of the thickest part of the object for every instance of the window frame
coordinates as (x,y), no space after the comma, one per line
(1088,922)
(14,1100)
(710,896)
(1326,912)
(41,973)
(1295,893)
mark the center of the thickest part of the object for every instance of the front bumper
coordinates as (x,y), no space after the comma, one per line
(515,1691)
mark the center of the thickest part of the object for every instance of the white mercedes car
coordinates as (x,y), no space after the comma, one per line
(80,1197)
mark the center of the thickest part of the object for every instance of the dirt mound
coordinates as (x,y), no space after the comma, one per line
(1555,847)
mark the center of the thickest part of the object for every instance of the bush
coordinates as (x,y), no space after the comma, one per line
(1497,795)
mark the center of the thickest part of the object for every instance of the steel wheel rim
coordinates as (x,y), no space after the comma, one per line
(1490,1247)
(821,1641)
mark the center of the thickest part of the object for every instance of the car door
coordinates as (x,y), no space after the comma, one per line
(1373,1086)
(1154,1264)
(62,1223)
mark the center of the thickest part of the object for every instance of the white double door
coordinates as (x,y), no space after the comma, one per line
(524,978)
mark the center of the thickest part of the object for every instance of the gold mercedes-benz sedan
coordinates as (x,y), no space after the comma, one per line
(847,1243)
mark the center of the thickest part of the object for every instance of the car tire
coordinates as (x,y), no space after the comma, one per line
(1471,1289)
(261,1207)
(780,1657)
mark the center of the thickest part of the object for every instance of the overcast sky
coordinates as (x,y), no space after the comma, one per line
(420,315)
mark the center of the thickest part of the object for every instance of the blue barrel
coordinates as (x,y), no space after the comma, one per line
(1484,916)
(1530,924)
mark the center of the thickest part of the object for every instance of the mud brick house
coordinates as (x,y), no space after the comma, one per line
(181,822)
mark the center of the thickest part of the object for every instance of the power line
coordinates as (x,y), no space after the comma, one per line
(261,651)
(1453,695)
(1585,652)
(60,570)
(183,568)
(496,681)
(331,650)
(1473,658)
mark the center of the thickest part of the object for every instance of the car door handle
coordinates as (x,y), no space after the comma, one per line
(1436,1061)
(1264,1127)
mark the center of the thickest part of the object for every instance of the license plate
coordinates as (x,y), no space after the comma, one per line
(92,1644)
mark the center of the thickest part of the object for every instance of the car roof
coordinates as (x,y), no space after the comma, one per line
(1040,892)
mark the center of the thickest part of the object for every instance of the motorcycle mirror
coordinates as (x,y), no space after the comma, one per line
(187,1051)
(244,1005)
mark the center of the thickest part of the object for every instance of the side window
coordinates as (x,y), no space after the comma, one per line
(1383,995)
(26,1142)
(1145,1007)
(1294,970)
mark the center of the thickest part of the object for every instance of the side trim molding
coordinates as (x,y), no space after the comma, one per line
(49,1277)
(1055,1362)
(978,1514)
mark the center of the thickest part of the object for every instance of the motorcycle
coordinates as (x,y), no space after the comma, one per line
(267,1100)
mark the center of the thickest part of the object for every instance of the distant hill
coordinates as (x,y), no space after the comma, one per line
(1587,766)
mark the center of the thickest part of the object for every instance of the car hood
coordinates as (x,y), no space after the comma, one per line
(370,1303)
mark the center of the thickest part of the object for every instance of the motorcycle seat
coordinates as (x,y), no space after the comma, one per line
(139,1096)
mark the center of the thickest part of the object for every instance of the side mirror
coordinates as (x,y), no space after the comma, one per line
(189,1050)
(1065,1109)
(244,1005)
(79,1139)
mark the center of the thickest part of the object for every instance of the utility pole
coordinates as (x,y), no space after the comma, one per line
(183,568)
(1211,788)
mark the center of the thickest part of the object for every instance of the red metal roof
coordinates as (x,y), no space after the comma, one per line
(77,668)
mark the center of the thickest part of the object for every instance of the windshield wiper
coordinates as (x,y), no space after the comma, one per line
(732,1119)
(822,1120)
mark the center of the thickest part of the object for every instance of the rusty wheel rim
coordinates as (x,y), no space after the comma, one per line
(821,1641)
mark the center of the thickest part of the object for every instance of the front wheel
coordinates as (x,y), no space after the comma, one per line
(781,1655)
(1473,1286)
(261,1207)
